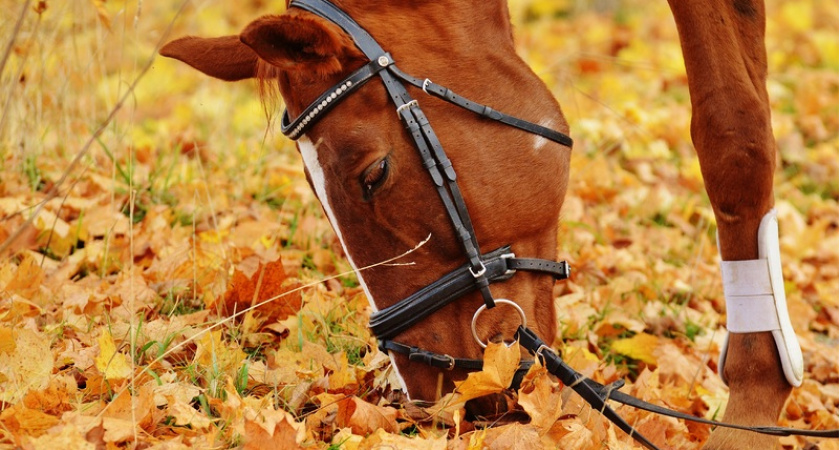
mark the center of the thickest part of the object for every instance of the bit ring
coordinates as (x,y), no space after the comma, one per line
(483,307)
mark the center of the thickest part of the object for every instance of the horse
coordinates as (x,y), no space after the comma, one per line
(375,187)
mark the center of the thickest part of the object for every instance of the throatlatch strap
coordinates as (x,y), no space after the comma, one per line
(756,302)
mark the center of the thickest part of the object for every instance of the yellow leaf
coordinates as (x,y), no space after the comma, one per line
(213,353)
(28,367)
(500,364)
(113,365)
(345,375)
(640,346)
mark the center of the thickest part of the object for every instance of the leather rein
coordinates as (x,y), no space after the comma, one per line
(481,269)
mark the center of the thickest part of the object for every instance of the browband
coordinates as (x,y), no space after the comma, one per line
(327,101)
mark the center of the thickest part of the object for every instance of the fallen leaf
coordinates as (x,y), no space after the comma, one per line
(21,369)
(541,399)
(7,340)
(214,354)
(641,346)
(112,364)
(381,439)
(20,420)
(363,418)
(269,283)
(500,364)
(274,429)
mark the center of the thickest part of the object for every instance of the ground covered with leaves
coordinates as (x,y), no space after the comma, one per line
(169,281)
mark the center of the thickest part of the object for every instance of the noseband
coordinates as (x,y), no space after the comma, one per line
(481,269)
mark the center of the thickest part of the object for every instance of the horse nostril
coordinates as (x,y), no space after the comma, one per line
(497,338)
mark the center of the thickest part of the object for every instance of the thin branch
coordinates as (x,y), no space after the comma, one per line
(54,190)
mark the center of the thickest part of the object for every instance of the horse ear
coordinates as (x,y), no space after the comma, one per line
(225,57)
(300,41)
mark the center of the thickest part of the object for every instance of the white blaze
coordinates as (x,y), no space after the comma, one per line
(316,174)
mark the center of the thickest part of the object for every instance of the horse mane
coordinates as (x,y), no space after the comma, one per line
(269,91)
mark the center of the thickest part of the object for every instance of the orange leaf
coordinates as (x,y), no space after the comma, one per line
(268,282)
(7,340)
(540,397)
(274,429)
(364,418)
(20,419)
(514,435)
(28,278)
(500,364)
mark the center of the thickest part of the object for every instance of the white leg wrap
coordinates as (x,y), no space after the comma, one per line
(755,300)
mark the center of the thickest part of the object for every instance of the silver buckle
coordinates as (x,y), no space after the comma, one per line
(426,84)
(451,362)
(509,272)
(540,350)
(406,105)
(480,272)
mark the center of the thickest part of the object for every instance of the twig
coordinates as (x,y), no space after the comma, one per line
(251,308)
(15,33)
(53,192)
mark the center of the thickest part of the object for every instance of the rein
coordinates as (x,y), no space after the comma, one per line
(481,269)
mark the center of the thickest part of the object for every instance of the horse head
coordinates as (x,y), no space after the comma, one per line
(370,179)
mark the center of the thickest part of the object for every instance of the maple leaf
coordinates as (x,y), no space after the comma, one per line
(27,279)
(515,435)
(268,282)
(211,352)
(500,364)
(274,429)
(363,418)
(19,370)
(66,436)
(570,433)
(540,397)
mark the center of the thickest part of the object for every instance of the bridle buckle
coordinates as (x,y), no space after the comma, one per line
(406,105)
(540,350)
(451,362)
(426,83)
(508,256)
(480,272)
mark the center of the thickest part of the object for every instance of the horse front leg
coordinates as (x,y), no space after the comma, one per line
(725,58)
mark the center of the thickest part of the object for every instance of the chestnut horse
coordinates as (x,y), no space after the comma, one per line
(374,188)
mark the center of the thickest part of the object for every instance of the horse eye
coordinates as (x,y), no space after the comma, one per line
(374,177)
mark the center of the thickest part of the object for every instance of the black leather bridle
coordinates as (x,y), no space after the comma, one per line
(481,269)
